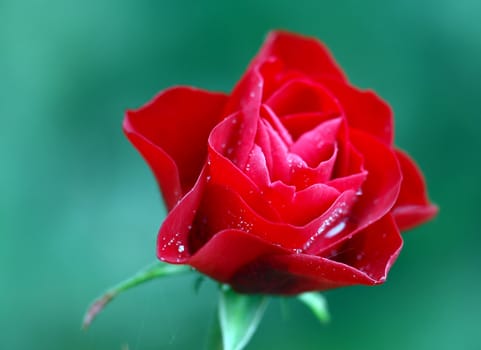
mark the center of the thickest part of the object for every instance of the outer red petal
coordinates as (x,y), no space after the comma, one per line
(365,261)
(364,110)
(171,134)
(295,273)
(373,250)
(163,167)
(299,53)
(379,193)
(174,241)
(383,182)
(222,208)
(247,95)
(412,207)
(290,52)
(228,251)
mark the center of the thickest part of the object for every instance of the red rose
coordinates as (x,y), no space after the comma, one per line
(289,184)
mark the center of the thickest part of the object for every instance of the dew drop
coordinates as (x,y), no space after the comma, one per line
(336,229)
(181,248)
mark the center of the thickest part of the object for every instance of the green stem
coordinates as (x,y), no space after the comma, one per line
(155,270)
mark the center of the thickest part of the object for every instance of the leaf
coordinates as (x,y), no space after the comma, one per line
(155,270)
(317,304)
(239,317)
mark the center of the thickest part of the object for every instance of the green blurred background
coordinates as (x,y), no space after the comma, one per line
(79,209)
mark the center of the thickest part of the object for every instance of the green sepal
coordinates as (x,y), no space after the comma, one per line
(239,317)
(153,271)
(317,304)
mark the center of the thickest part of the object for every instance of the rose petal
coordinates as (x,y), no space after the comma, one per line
(295,273)
(228,251)
(308,204)
(256,168)
(383,182)
(299,53)
(222,208)
(163,167)
(171,134)
(247,94)
(372,250)
(412,207)
(275,151)
(365,260)
(268,115)
(331,226)
(302,96)
(298,124)
(310,145)
(173,244)
(234,137)
(364,110)
(224,172)
(354,181)
(303,176)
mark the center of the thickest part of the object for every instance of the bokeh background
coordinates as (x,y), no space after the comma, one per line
(79,209)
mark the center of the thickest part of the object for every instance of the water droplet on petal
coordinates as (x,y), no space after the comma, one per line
(336,229)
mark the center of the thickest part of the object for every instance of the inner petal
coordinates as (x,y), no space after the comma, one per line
(316,145)
(275,150)
(302,96)
(310,160)
(305,176)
